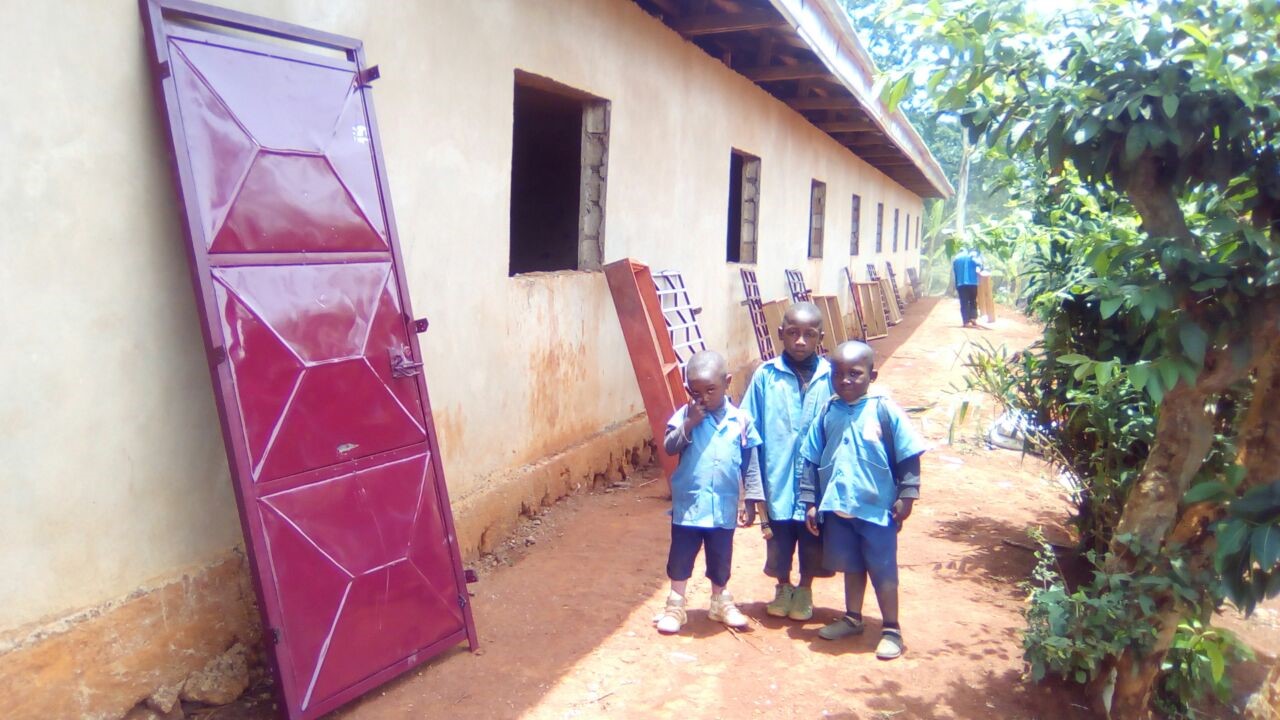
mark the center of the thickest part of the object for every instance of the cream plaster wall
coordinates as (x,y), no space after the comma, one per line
(114,470)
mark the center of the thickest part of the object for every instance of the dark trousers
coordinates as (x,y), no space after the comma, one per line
(685,544)
(968,303)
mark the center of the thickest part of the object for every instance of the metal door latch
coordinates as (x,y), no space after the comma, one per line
(420,325)
(402,365)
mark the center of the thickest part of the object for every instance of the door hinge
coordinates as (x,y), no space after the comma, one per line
(219,355)
(420,325)
(462,600)
(368,75)
(275,636)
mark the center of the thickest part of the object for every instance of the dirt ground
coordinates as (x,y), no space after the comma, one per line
(565,612)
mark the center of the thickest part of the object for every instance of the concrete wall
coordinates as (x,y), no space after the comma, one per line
(115,476)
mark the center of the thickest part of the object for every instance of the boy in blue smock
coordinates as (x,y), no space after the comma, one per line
(784,395)
(965,266)
(716,443)
(859,475)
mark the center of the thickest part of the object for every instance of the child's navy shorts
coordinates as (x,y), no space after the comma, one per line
(781,549)
(853,545)
(685,543)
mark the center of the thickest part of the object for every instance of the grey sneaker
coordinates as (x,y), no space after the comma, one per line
(842,628)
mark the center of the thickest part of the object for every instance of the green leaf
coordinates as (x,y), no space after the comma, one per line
(1072,359)
(1194,339)
(898,90)
(1217,662)
(1170,105)
(1168,373)
(1205,491)
(1259,504)
(1231,536)
(1138,375)
(1135,141)
(1110,305)
(1194,31)
(1102,371)
(1155,390)
(1264,543)
(1273,585)
(1210,284)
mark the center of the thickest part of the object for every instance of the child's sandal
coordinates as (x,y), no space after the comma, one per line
(891,645)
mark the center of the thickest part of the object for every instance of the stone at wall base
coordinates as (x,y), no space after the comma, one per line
(101,664)
(222,680)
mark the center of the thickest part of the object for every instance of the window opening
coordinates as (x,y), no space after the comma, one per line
(879,227)
(895,229)
(855,221)
(559,156)
(817,215)
(744,207)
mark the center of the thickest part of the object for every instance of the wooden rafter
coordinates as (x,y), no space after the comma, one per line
(799,71)
(822,103)
(847,126)
(718,23)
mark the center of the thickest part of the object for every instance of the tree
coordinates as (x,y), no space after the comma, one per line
(1174,107)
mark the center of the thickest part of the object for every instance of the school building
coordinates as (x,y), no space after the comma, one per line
(526,143)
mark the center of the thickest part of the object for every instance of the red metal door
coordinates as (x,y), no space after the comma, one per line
(323,406)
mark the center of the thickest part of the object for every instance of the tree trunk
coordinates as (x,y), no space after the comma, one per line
(962,190)
(1183,436)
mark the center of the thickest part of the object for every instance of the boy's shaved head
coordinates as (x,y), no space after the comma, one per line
(852,352)
(706,365)
(802,313)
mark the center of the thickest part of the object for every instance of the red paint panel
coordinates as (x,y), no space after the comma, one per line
(287,105)
(219,148)
(297,271)
(294,202)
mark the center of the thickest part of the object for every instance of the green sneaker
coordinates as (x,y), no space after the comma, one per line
(801,604)
(842,628)
(781,604)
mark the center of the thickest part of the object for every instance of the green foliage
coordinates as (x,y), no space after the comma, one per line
(1196,666)
(1247,556)
(1072,631)
(1146,142)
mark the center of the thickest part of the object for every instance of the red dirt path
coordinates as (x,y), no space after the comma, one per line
(565,615)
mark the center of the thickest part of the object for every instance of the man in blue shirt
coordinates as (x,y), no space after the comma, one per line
(859,474)
(966,265)
(784,395)
(716,443)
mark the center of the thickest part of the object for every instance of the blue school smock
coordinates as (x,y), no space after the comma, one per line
(853,467)
(966,265)
(707,483)
(782,416)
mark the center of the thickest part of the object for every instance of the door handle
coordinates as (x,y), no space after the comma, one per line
(402,365)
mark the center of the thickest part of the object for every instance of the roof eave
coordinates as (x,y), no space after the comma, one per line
(826,29)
